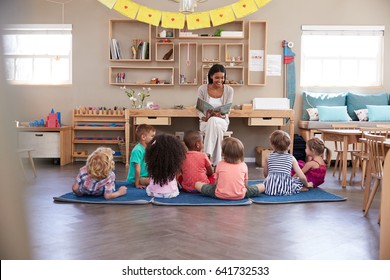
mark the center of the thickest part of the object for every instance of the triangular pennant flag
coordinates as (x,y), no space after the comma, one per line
(149,15)
(261,3)
(173,20)
(198,20)
(127,8)
(108,3)
(222,15)
(243,8)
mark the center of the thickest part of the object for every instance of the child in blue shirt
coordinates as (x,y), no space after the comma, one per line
(138,173)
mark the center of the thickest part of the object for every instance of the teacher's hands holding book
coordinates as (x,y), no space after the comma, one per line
(211,113)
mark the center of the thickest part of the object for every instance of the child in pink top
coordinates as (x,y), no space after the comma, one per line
(196,167)
(164,156)
(315,167)
(231,175)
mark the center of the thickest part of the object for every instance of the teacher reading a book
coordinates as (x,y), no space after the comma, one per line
(214,102)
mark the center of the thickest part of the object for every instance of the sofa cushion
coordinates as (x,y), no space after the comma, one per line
(356,101)
(333,114)
(312,100)
(362,115)
(378,113)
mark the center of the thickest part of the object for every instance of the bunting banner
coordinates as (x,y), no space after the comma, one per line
(222,15)
(173,20)
(149,15)
(108,3)
(198,20)
(127,8)
(178,20)
(244,7)
(261,3)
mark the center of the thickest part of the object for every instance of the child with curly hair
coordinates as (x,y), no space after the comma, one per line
(164,156)
(97,177)
(277,171)
(196,166)
(231,174)
(138,173)
(315,166)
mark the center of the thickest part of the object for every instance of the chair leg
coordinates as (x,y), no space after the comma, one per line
(354,166)
(340,166)
(364,168)
(372,194)
(32,163)
(336,163)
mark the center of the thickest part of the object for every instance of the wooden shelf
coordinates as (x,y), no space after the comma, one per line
(257,52)
(96,127)
(142,76)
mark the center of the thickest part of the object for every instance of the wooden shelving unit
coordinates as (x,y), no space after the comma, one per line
(94,128)
(257,52)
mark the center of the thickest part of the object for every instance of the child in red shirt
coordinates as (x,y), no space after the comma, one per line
(196,167)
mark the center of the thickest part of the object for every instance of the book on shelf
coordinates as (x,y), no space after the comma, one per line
(115,49)
(145,50)
(203,106)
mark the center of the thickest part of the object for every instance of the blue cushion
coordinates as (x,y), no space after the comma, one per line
(378,113)
(333,114)
(357,101)
(312,100)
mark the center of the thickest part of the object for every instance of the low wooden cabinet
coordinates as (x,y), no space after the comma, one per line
(47,142)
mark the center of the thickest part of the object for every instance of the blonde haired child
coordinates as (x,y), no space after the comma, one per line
(138,173)
(97,177)
(315,167)
(277,171)
(231,174)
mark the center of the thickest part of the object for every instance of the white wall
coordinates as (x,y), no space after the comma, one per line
(90,51)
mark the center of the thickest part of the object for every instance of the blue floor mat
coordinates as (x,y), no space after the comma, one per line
(186,199)
(133,196)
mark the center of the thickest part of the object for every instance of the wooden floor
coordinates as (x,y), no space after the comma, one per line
(332,230)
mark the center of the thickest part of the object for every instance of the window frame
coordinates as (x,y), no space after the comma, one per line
(336,30)
(50,56)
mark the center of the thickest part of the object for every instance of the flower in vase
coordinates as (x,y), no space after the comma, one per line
(143,95)
(132,96)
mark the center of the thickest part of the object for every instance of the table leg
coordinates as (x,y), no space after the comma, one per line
(344,162)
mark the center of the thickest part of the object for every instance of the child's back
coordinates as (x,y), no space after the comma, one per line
(231,180)
(196,166)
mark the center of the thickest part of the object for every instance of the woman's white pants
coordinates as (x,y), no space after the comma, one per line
(213,130)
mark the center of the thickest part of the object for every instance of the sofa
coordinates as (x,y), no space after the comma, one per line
(321,110)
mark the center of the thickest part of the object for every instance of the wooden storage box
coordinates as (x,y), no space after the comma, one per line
(261,153)
(152,120)
(265,122)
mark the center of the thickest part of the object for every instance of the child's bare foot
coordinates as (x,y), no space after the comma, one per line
(310,185)
(304,189)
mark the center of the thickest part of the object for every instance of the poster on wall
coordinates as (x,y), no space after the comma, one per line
(256,60)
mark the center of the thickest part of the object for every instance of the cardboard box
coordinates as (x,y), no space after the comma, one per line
(270,103)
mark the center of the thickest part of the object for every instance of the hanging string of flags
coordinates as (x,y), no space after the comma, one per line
(177,20)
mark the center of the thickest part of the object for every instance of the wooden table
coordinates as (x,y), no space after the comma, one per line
(347,136)
(192,113)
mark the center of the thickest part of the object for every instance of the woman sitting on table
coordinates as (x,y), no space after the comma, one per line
(214,123)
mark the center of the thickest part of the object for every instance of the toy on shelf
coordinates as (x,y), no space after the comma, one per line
(53,119)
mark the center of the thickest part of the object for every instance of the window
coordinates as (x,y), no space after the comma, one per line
(344,56)
(38,54)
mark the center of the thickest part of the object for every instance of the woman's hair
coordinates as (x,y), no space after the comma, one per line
(215,69)
(318,147)
(143,129)
(232,150)
(280,140)
(164,156)
(191,138)
(100,163)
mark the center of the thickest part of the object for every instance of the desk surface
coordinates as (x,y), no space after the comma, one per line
(192,112)
(44,128)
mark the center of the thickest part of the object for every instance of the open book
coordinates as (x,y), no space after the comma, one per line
(204,106)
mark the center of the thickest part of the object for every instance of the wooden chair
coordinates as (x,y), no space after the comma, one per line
(20,154)
(376,155)
(339,148)
(360,157)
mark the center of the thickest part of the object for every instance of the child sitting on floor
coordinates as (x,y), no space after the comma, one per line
(196,166)
(231,174)
(138,173)
(277,170)
(164,156)
(315,167)
(97,177)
